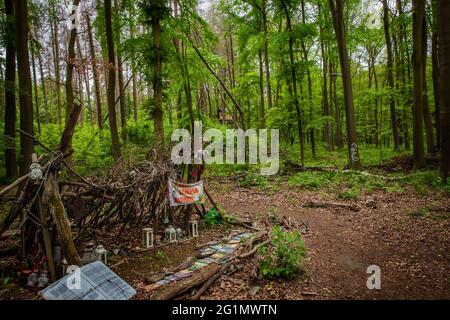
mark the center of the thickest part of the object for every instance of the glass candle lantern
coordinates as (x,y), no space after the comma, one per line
(193,228)
(101,254)
(147,237)
(171,234)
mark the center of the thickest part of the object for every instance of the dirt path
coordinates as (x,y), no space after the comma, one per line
(413,252)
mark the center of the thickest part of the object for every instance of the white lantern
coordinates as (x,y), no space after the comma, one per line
(147,237)
(89,254)
(101,254)
(179,234)
(193,228)
(171,234)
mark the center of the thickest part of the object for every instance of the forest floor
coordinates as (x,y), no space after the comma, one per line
(405,233)
(410,244)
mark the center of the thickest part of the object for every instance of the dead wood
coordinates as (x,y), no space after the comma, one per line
(254,250)
(52,199)
(210,281)
(178,288)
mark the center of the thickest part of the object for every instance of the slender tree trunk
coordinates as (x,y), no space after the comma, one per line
(326,107)
(337,11)
(418,48)
(10,95)
(56,53)
(262,115)
(403,65)
(122,100)
(426,105)
(25,90)
(111,82)
(44,91)
(390,76)
(135,94)
(98,95)
(266,54)
(36,91)
(71,63)
(155,7)
(435,61)
(444,64)
(294,84)
(86,79)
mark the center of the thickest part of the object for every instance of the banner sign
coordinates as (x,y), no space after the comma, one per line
(181,194)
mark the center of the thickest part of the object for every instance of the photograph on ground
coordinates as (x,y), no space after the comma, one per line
(225,150)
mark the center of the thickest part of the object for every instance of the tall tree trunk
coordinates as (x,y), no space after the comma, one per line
(25,91)
(418,53)
(86,79)
(98,95)
(266,54)
(426,105)
(308,76)
(71,62)
(111,82)
(262,115)
(155,7)
(390,76)
(325,105)
(294,83)
(36,91)
(134,79)
(10,95)
(56,56)
(337,11)
(44,91)
(402,66)
(122,99)
(444,64)
(435,61)
(120,71)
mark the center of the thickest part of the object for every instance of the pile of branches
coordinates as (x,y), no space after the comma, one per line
(124,198)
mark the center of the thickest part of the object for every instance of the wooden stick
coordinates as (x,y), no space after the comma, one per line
(253,251)
(211,280)
(47,240)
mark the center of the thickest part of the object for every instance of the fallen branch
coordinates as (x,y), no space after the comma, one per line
(119,263)
(172,290)
(254,250)
(208,283)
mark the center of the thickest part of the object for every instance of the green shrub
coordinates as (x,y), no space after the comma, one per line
(212,217)
(284,256)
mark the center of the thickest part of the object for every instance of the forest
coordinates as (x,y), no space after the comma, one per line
(92,91)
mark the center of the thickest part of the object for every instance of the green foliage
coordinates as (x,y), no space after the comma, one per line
(309,180)
(160,255)
(253,180)
(349,194)
(212,218)
(284,256)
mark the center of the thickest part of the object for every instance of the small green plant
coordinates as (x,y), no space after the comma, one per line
(253,180)
(212,217)
(309,180)
(349,194)
(284,256)
(160,255)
